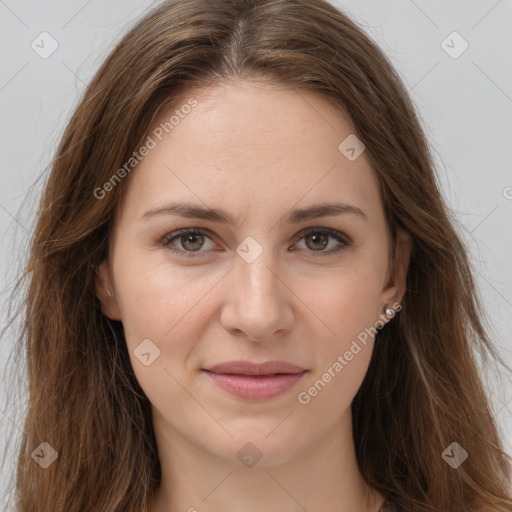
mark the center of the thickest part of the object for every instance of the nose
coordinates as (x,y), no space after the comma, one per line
(258,303)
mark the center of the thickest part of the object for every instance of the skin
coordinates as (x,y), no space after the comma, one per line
(256,151)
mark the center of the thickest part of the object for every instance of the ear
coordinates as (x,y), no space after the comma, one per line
(394,290)
(105,292)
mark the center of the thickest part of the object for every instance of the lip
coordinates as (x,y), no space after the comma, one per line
(255,381)
(248,368)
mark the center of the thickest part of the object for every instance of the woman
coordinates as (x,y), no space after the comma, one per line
(245,290)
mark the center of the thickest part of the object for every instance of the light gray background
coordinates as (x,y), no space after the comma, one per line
(465,104)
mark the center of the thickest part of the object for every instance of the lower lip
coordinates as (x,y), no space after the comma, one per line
(252,387)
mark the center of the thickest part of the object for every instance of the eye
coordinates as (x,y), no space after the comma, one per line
(192,240)
(317,239)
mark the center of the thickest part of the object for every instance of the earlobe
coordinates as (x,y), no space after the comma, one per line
(105,292)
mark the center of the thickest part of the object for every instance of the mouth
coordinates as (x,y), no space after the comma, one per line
(255,382)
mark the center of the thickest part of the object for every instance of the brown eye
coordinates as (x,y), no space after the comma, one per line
(192,242)
(318,241)
(187,242)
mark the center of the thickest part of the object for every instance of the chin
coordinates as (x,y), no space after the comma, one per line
(258,443)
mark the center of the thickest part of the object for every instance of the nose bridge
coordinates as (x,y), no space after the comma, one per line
(258,303)
(255,268)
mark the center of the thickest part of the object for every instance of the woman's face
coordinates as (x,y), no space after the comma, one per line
(252,287)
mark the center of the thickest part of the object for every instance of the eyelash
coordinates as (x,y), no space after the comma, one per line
(340,237)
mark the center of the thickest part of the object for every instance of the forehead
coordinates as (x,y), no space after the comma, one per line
(249,146)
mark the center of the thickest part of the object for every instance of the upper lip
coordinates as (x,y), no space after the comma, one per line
(248,368)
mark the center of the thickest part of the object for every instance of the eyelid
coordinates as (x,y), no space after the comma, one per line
(343,239)
(335,233)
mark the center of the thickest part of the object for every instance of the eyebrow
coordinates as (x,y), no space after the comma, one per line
(294,216)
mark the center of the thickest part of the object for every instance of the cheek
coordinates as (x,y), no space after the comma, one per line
(165,305)
(161,310)
(343,351)
(346,304)
(346,300)
(156,297)
(327,395)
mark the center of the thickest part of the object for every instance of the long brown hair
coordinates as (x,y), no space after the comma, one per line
(423,389)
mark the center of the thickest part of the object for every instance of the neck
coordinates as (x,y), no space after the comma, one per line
(321,476)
